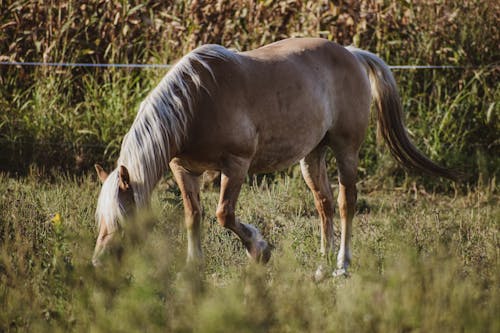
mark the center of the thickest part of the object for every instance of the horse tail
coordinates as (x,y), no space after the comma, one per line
(390,117)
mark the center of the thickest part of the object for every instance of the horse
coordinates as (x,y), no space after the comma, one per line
(258,111)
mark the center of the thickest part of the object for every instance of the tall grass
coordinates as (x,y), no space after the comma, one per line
(71,118)
(422,262)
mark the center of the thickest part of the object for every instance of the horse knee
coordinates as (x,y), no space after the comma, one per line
(328,207)
(225,216)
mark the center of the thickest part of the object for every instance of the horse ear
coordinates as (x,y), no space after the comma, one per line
(124,178)
(101,173)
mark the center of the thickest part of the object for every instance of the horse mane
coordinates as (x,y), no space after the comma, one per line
(162,122)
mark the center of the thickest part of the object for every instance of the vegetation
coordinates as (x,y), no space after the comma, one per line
(72,117)
(426,252)
(422,263)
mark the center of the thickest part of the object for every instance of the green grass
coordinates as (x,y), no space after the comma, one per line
(423,262)
(71,118)
(425,259)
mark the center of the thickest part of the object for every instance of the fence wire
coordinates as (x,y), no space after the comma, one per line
(145,66)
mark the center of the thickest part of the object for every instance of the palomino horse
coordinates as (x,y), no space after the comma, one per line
(251,112)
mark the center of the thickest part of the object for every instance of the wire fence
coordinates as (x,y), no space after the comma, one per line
(78,64)
(146,66)
(40,143)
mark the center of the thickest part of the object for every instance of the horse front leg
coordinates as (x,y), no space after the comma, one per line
(190,189)
(231,180)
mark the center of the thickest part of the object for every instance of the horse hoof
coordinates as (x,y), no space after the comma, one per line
(320,274)
(257,248)
(341,272)
(96,263)
(265,253)
(260,252)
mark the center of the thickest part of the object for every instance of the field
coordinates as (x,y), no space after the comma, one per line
(426,251)
(423,262)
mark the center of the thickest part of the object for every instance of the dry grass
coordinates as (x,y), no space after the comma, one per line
(72,118)
(422,263)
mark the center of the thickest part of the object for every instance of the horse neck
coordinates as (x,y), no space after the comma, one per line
(162,123)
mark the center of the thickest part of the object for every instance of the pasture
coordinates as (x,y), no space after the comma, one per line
(425,250)
(423,262)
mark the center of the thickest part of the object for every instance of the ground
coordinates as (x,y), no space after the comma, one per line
(422,262)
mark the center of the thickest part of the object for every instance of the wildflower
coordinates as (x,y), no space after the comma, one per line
(57,220)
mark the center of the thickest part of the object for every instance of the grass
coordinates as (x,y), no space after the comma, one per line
(71,118)
(425,257)
(423,262)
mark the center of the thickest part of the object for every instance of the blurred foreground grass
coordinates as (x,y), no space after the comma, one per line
(423,262)
(71,118)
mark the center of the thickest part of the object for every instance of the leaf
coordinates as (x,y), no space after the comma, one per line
(489,112)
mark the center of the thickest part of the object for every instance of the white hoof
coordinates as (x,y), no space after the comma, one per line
(340,272)
(96,263)
(320,274)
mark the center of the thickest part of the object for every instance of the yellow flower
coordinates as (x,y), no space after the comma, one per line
(57,220)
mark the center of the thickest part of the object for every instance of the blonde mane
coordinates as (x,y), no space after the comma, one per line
(161,124)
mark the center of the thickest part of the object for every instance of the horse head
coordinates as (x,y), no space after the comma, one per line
(116,203)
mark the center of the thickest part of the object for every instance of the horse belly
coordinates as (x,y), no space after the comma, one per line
(288,131)
(273,162)
(280,152)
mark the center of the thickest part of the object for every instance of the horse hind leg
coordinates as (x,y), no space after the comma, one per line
(347,164)
(190,189)
(231,181)
(313,168)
